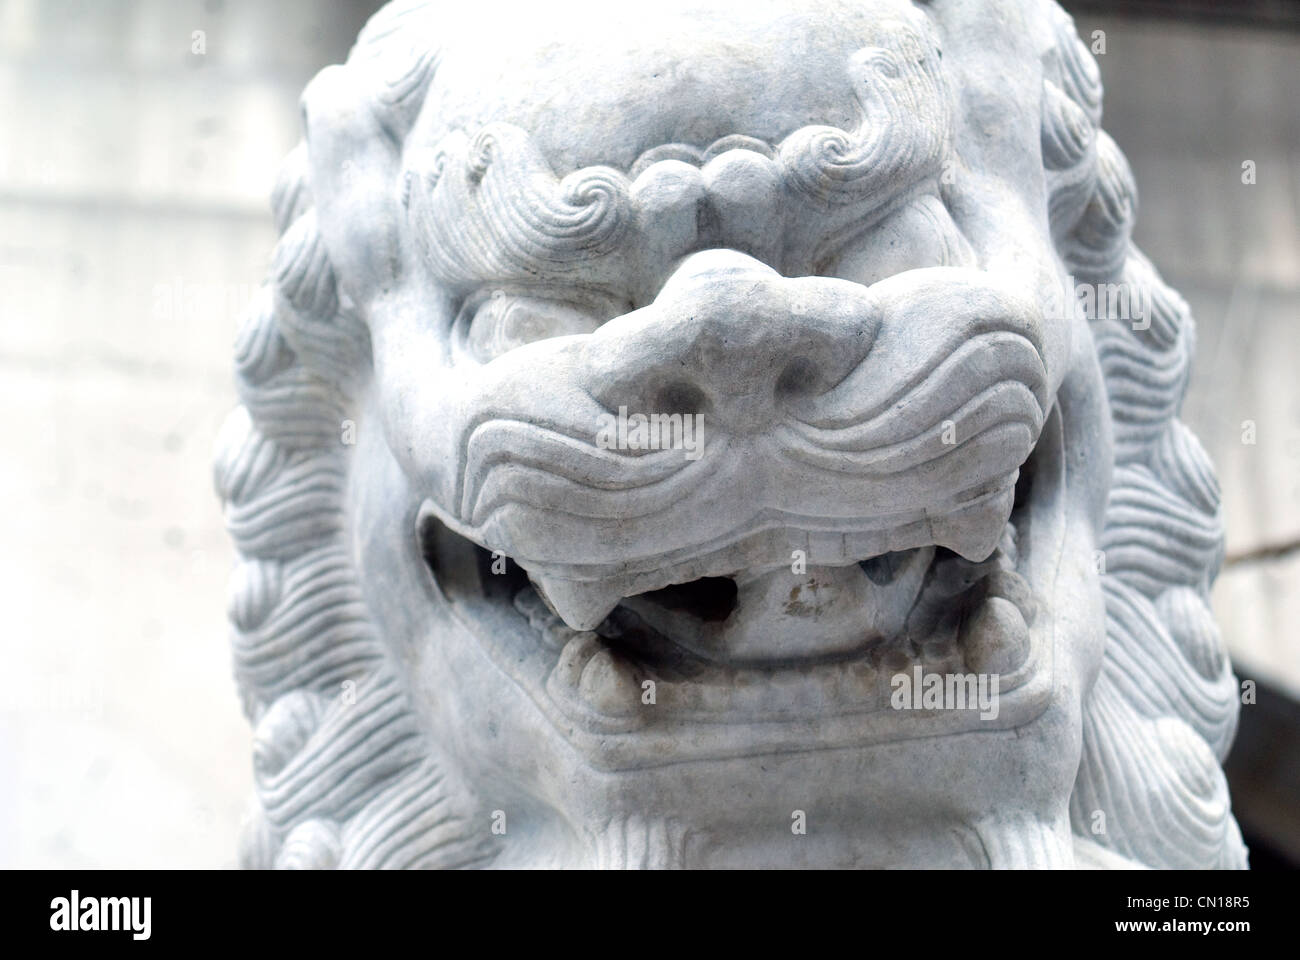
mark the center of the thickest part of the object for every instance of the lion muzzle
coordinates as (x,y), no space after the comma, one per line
(825,417)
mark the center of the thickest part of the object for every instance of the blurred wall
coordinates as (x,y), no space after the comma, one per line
(135,164)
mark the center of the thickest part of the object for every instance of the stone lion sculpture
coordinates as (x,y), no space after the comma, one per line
(832,236)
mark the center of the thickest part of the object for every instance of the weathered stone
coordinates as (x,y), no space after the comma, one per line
(651,310)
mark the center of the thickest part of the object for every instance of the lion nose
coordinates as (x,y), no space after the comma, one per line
(730,338)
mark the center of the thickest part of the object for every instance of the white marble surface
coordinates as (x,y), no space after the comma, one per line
(834,232)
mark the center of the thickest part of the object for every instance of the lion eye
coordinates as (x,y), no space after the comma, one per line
(503,322)
(921,234)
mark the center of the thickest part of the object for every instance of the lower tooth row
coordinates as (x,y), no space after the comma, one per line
(994,639)
(590,673)
(567,673)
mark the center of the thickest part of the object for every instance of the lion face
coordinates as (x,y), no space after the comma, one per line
(713,376)
(880,481)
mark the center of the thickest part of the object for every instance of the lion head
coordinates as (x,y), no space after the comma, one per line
(484,616)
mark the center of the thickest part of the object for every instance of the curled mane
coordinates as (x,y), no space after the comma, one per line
(1161,716)
(344,777)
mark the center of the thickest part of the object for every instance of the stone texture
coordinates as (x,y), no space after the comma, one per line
(486,613)
(1190,105)
(140,167)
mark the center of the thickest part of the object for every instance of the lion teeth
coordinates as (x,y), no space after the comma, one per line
(1010,585)
(993,637)
(965,539)
(608,684)
(996,639)
(1007,545)
(574,658)
(974,532)
(583,606)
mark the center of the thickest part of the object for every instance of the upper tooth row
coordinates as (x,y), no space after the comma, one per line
(971,531)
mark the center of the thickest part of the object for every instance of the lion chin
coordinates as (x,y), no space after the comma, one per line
(725,480)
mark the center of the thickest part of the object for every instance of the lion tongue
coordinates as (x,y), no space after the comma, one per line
(778,615)
(583,606)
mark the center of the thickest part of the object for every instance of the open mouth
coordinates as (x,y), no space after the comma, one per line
(778,649)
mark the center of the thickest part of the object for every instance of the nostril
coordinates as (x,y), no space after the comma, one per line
(680,397)
(799,378)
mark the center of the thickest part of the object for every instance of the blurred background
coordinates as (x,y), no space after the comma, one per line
(138,145)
